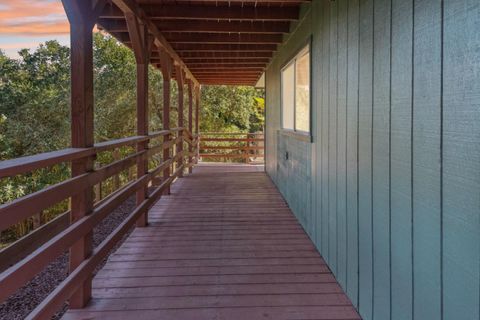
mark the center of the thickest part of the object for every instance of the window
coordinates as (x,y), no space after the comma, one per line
(295,80)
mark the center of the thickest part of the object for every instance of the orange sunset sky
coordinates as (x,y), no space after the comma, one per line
(27,23)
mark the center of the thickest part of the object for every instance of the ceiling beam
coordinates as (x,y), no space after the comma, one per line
(188,11)
(212,26)
(216,47)
(229,70)
(224,55)
(226,61)
(130,6)
(269,27)
(238,75)
(222,38)
(194,66)
(233,1)
(232,81)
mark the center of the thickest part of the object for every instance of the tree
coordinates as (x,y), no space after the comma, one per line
(35,111)
(231,109)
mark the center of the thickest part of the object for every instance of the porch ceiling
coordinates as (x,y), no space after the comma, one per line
(218,42)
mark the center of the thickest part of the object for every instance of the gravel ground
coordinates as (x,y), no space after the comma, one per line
(19,305)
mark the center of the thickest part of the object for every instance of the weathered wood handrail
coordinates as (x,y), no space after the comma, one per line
(22,208)
(12,167)
(241,145)
(68,286)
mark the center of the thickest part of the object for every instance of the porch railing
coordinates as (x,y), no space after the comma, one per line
(24,259)
(219,146)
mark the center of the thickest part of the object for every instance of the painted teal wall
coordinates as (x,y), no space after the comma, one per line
(389,187)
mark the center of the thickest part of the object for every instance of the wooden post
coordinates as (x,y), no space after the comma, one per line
(142,45)
(116,178)
(197,119)
(97,189)
(131,174)
(180,82)
(37,220)
(98,192)
(82,15)
(190,123)
(167,68)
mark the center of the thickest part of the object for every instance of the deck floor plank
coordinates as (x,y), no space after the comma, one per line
(223,245)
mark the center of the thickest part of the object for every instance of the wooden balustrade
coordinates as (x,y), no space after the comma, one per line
(32,253)
(241,146)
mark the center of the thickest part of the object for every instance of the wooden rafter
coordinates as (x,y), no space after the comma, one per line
(197,12)
(198,26)
(224,39)
(224,55)
(130,6)
(214,47)
(295,2)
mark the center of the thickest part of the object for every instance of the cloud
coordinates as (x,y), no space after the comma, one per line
(33,18)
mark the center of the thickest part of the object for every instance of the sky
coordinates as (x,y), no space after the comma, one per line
(27,23)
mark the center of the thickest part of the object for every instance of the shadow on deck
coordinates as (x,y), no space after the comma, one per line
(223,245)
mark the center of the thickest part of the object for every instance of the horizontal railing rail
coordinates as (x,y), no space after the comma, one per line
(26,257)
(216,146)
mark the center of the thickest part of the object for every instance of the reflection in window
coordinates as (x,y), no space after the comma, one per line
(302,93)
(288,96)
(295,79)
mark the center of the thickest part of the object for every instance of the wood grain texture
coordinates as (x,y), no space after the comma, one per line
(352,150)
(325,127)
(412,175)
(426,160)
(365,159)
(316,165)
(381,160)
(82,126)
(342,144)
(461,159)
(216,247)
(331,257)
(401,153)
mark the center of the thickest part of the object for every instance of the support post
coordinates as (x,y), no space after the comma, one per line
(142,45)
(180,82)
(116,178)
(82,15)
(190,123)
(166,67)
(197,119)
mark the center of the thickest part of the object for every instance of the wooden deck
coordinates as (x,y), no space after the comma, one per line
(224,245)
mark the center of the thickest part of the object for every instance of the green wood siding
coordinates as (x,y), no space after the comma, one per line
(401,160)
(389,187)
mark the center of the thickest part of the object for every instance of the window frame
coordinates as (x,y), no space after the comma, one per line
(305,49)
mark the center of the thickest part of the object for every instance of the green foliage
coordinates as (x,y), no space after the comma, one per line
(35,112)
(115,91)
(232,109)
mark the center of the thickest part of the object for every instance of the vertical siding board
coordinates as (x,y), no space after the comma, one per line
(401,182)
(341,145)
(381,160)
(325,120)
(388,143)
(365,160)
(272,124)
(352,159)
(426,159)
(461,160)
(332,143)
(317,86)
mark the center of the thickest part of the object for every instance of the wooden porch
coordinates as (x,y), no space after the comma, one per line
(223,245)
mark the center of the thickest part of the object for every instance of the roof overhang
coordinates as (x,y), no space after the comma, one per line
(213,41)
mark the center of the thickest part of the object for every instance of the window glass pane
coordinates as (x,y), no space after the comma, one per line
(288,96)
(302,94)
